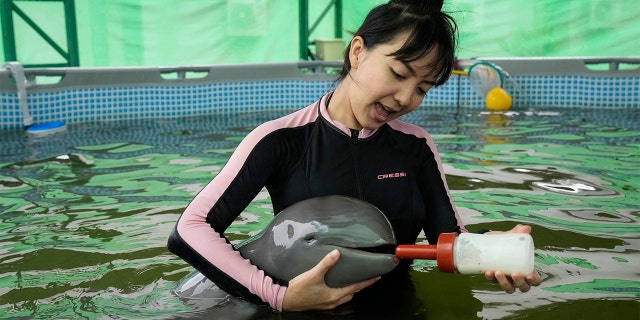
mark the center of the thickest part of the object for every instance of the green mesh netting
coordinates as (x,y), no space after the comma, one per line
(173,32)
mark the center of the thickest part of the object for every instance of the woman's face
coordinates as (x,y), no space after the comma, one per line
(382,88)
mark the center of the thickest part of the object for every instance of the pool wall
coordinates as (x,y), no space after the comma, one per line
(99,94)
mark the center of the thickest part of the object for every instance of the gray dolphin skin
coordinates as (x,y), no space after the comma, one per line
(302,234)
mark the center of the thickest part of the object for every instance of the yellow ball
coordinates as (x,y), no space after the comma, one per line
(498,100)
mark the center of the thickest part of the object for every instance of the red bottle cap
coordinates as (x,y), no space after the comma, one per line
(445,252)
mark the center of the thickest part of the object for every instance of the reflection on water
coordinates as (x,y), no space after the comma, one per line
(85,215)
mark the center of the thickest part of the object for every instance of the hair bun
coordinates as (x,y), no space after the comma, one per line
(419,7)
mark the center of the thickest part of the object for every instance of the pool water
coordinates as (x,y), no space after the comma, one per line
(85,215)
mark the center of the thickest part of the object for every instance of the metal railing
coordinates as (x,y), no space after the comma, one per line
(305,30)
(70,54)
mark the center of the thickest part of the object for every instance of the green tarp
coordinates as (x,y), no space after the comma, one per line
(194,32)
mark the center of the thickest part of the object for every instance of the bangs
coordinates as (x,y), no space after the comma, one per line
(427,31)
(423,39)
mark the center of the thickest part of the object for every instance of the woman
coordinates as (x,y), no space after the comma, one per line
(350,142)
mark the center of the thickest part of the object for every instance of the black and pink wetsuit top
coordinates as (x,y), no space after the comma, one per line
(305,155)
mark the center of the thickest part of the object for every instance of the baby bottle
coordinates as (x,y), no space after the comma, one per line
(470,253)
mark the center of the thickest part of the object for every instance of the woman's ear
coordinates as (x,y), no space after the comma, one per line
(356,49)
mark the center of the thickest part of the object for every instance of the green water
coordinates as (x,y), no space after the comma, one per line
(85,215)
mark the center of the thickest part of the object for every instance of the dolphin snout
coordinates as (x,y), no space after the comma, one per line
(357,265)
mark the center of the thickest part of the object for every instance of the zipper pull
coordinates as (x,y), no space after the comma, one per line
(354,135)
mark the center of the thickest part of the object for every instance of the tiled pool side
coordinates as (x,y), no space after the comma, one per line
(174,98)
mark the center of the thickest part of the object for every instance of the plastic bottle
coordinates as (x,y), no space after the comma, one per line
(470,253)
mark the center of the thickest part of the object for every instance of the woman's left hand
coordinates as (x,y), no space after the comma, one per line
(516,280)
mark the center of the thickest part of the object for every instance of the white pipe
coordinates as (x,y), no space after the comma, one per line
(21,84)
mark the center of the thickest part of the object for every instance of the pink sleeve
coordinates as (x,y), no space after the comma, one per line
(202,238)
(197,233)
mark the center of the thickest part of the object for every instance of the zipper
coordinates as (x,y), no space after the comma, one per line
(356,166)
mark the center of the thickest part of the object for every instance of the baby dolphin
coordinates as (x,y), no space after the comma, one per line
(302,234)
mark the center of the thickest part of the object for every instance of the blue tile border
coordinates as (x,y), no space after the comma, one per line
(104,103)
(563,91)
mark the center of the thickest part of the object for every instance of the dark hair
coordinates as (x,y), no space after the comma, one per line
(427,25)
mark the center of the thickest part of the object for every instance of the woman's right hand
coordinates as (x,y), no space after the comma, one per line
(308,291)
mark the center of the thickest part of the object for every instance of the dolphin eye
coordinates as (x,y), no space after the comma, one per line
(309,238)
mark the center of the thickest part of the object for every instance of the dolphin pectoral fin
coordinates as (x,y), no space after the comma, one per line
(199,293)
(195,286)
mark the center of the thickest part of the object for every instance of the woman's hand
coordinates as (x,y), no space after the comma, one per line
(308,291)
(509,283)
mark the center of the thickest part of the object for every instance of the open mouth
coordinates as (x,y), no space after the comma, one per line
(382,112)
(382,249)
